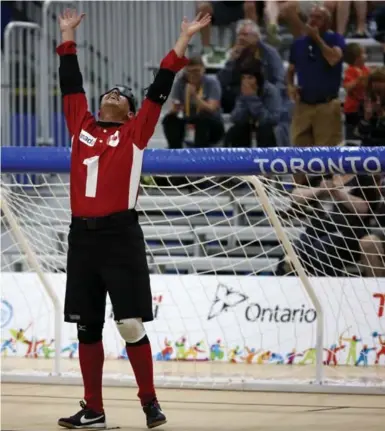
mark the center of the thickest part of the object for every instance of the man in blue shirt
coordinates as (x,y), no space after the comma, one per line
(316,60)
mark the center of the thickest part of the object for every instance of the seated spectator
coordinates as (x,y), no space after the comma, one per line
(195,107)
(257,109)
(225,13)
(361,12)
(371,125)
(355,80)
(248,46)
(336,233)
(316,59)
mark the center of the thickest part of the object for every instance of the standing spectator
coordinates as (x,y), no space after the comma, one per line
(355,79)
(225,13)
(294,13)
(343,13)
(257,109)
(248,46)
(316,59)
(195,105)
(371,125)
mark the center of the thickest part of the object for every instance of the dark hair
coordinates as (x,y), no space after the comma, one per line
(254,67)
(196,60)
(378,75)
(352,52)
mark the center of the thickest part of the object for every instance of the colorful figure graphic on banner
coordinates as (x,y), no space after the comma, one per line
(332,353)
(8,345)
(180,348)
(166,353)
(263,357)
(33,347)
(309,356)
(291,356)
(233,354)
(46,349)
(277,358)
(364,355)
(352,353)
(251,354)
(71,348)
(194,350)
(19,334)
(381,350)
(216,351)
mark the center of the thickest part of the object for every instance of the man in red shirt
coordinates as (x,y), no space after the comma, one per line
(106,246)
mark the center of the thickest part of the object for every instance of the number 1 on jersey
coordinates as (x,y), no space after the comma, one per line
(92,164)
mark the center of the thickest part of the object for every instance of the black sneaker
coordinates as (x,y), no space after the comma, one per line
(85,418)
(154,415)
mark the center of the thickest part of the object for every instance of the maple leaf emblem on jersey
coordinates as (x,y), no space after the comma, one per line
(225,298)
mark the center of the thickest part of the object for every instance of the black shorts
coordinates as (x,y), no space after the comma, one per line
(227,12)
(107,255)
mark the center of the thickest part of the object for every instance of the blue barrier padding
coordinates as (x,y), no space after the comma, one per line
(215,161)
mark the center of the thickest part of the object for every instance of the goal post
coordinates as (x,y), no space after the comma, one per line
(258,283)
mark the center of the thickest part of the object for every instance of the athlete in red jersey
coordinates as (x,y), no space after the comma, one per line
(106,252)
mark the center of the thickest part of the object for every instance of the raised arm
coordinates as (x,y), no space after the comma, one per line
(71,81)
(160,89)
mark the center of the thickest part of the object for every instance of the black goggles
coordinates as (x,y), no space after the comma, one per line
(125,92)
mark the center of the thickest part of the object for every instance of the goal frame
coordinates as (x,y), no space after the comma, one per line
(245,163)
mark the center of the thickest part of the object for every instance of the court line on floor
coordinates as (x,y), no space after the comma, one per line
(317,407)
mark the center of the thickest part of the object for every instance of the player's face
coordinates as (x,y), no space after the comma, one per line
(116,102)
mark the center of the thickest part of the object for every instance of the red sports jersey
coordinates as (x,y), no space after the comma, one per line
(106,159)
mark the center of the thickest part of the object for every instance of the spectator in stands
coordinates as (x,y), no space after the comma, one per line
(371,126)
(248,46)
(361,13)
(257,109)
(373,247)
(355,80)
(293,13)
(195,107)
(316,59)
(339,209)
(225,13)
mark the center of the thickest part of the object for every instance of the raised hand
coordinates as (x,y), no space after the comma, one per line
(70,19)
(190,28)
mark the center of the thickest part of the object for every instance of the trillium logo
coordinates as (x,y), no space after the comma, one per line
(225,298)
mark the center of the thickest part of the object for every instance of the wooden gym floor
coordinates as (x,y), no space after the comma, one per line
(28,407)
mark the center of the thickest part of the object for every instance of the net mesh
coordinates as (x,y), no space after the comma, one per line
(225,294)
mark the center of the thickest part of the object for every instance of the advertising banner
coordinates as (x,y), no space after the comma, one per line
(234,319)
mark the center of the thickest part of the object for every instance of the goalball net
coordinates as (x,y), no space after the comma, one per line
(267,269)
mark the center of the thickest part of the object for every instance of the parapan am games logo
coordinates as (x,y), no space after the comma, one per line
(6,313)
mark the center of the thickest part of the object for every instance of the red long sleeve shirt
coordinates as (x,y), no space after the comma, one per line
(106,158)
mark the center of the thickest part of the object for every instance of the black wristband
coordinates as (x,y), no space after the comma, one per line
(160,89)
(71,80)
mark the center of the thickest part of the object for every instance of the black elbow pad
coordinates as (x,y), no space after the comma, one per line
(160,89)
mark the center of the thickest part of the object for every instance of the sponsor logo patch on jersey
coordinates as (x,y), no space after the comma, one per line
(86,138)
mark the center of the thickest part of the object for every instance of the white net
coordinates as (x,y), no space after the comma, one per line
(230,309)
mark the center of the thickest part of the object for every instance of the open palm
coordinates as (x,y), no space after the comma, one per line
(200,21)
(70,19)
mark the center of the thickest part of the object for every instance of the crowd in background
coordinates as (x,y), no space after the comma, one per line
(270,104)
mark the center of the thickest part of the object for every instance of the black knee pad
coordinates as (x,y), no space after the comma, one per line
(90,334)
